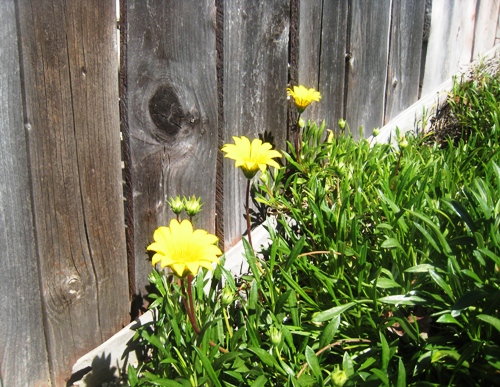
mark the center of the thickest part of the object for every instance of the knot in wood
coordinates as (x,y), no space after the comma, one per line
(165,110)
(73,287)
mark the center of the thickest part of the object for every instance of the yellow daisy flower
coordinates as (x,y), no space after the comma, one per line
(251,157)
(183,249)
(303,96)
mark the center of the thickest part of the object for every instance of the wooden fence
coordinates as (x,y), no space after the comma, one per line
(191,74)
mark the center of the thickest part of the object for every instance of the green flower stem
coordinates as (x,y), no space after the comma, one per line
(189,305)
(247,204)
(228,326)
(298,138)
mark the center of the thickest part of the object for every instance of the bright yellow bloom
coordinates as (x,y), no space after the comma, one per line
(303,96)
(251,156)
(184,250)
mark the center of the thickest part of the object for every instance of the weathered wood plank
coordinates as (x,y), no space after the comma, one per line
(172,111)
(69,55)
(309,49)
(332,71)
(485,26)
(367,66)
(450,41)
(403,72)
(255,80)
(23,362)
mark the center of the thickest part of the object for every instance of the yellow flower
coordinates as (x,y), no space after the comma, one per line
(251,156)
(303,96)
(184,250)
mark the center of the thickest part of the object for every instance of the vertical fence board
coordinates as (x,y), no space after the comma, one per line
(332,64)
(485,26)
(255,80)
(403,73)
(309,48)
(71,85)
(23,362)
(452,27)
(172,105)
(367,66)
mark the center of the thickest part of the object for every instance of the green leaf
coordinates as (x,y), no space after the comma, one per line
(297,288)
(332,312)
(329,332)
(386,283)
(423,268)
(402,299)
(386,353)
(267,358)
(391,243)
(133,380)
(251,259)
(490,320)
(441,283)
(260,381)
(448,319)
(347,365)
(207,365)
(381,375)
(401,381)
(313,362)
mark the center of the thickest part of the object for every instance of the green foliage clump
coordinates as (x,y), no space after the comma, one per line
(384,269)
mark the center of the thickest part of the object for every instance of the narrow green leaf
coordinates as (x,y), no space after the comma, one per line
(332,312)
(297,288)
(442,284)
(386,353)
(329,332)
(267,358)
(490,320)
(401,381)
(391,243)
(313,362)
(251,259)
(381,375)
(260,381)
(386,283)
(347,365)
(448,319)
(402,300)
(423,268)
(207,365)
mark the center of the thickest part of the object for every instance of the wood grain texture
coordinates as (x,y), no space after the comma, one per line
(69,55)
(309,49)
(23,353)
(367,66)
(255,81)
(403,72)
(332,66)
(172,111)
(452,27)
(487,17)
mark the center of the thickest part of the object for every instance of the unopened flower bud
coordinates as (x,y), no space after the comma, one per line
(339,378)
(192,206)
(275,336)
(227,297)
(329,139)
(342,124)
(176,204)
(403,142)
(376,132)
(264,177)
(302,123)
